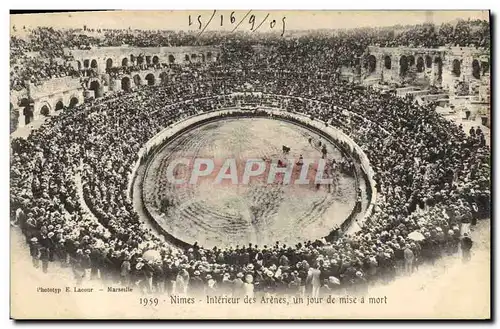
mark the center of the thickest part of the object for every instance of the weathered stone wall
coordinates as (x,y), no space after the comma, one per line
(101,58)
(51,95)
(452,68)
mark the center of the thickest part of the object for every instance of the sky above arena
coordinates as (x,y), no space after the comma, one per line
(294,20)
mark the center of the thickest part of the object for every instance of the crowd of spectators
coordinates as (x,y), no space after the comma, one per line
(432,180)
(36,71)
(40,56)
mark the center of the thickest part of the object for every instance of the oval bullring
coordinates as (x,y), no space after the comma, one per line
(217,215)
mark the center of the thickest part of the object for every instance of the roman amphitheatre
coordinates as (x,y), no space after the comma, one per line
(402,121)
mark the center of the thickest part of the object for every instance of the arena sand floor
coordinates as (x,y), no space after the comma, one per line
(258,212)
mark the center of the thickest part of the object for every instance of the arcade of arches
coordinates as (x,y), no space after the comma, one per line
(83,64)
(405,63)
(436,66)
(150,78)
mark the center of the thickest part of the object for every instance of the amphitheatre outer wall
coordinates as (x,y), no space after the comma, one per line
(155,143)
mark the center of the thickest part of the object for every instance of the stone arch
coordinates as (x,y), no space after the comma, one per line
(125,83)
(96,87)
(148,60)
(371,64)
(387,62)
(79,65)
(137,80)
(411,60)
(194,57)
(125,61)
(171,59)
(109,63)
(132,59)
(59,105)
(164,78)
(403,65)
(186,58)
(93,64)
(456,68)
(140,60)
(86,63)
(420,64)
(209,56)
(45,109)
(73,102)
(428,61)
(156,60)
(150,78)
(476,69)
(202,57)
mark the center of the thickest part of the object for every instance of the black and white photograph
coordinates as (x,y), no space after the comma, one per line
(250,164)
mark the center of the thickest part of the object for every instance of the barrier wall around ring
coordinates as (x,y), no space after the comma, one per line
(149,150)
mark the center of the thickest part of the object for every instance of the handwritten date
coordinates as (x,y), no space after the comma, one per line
(249,21)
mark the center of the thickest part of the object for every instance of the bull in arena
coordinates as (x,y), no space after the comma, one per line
(285,149)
